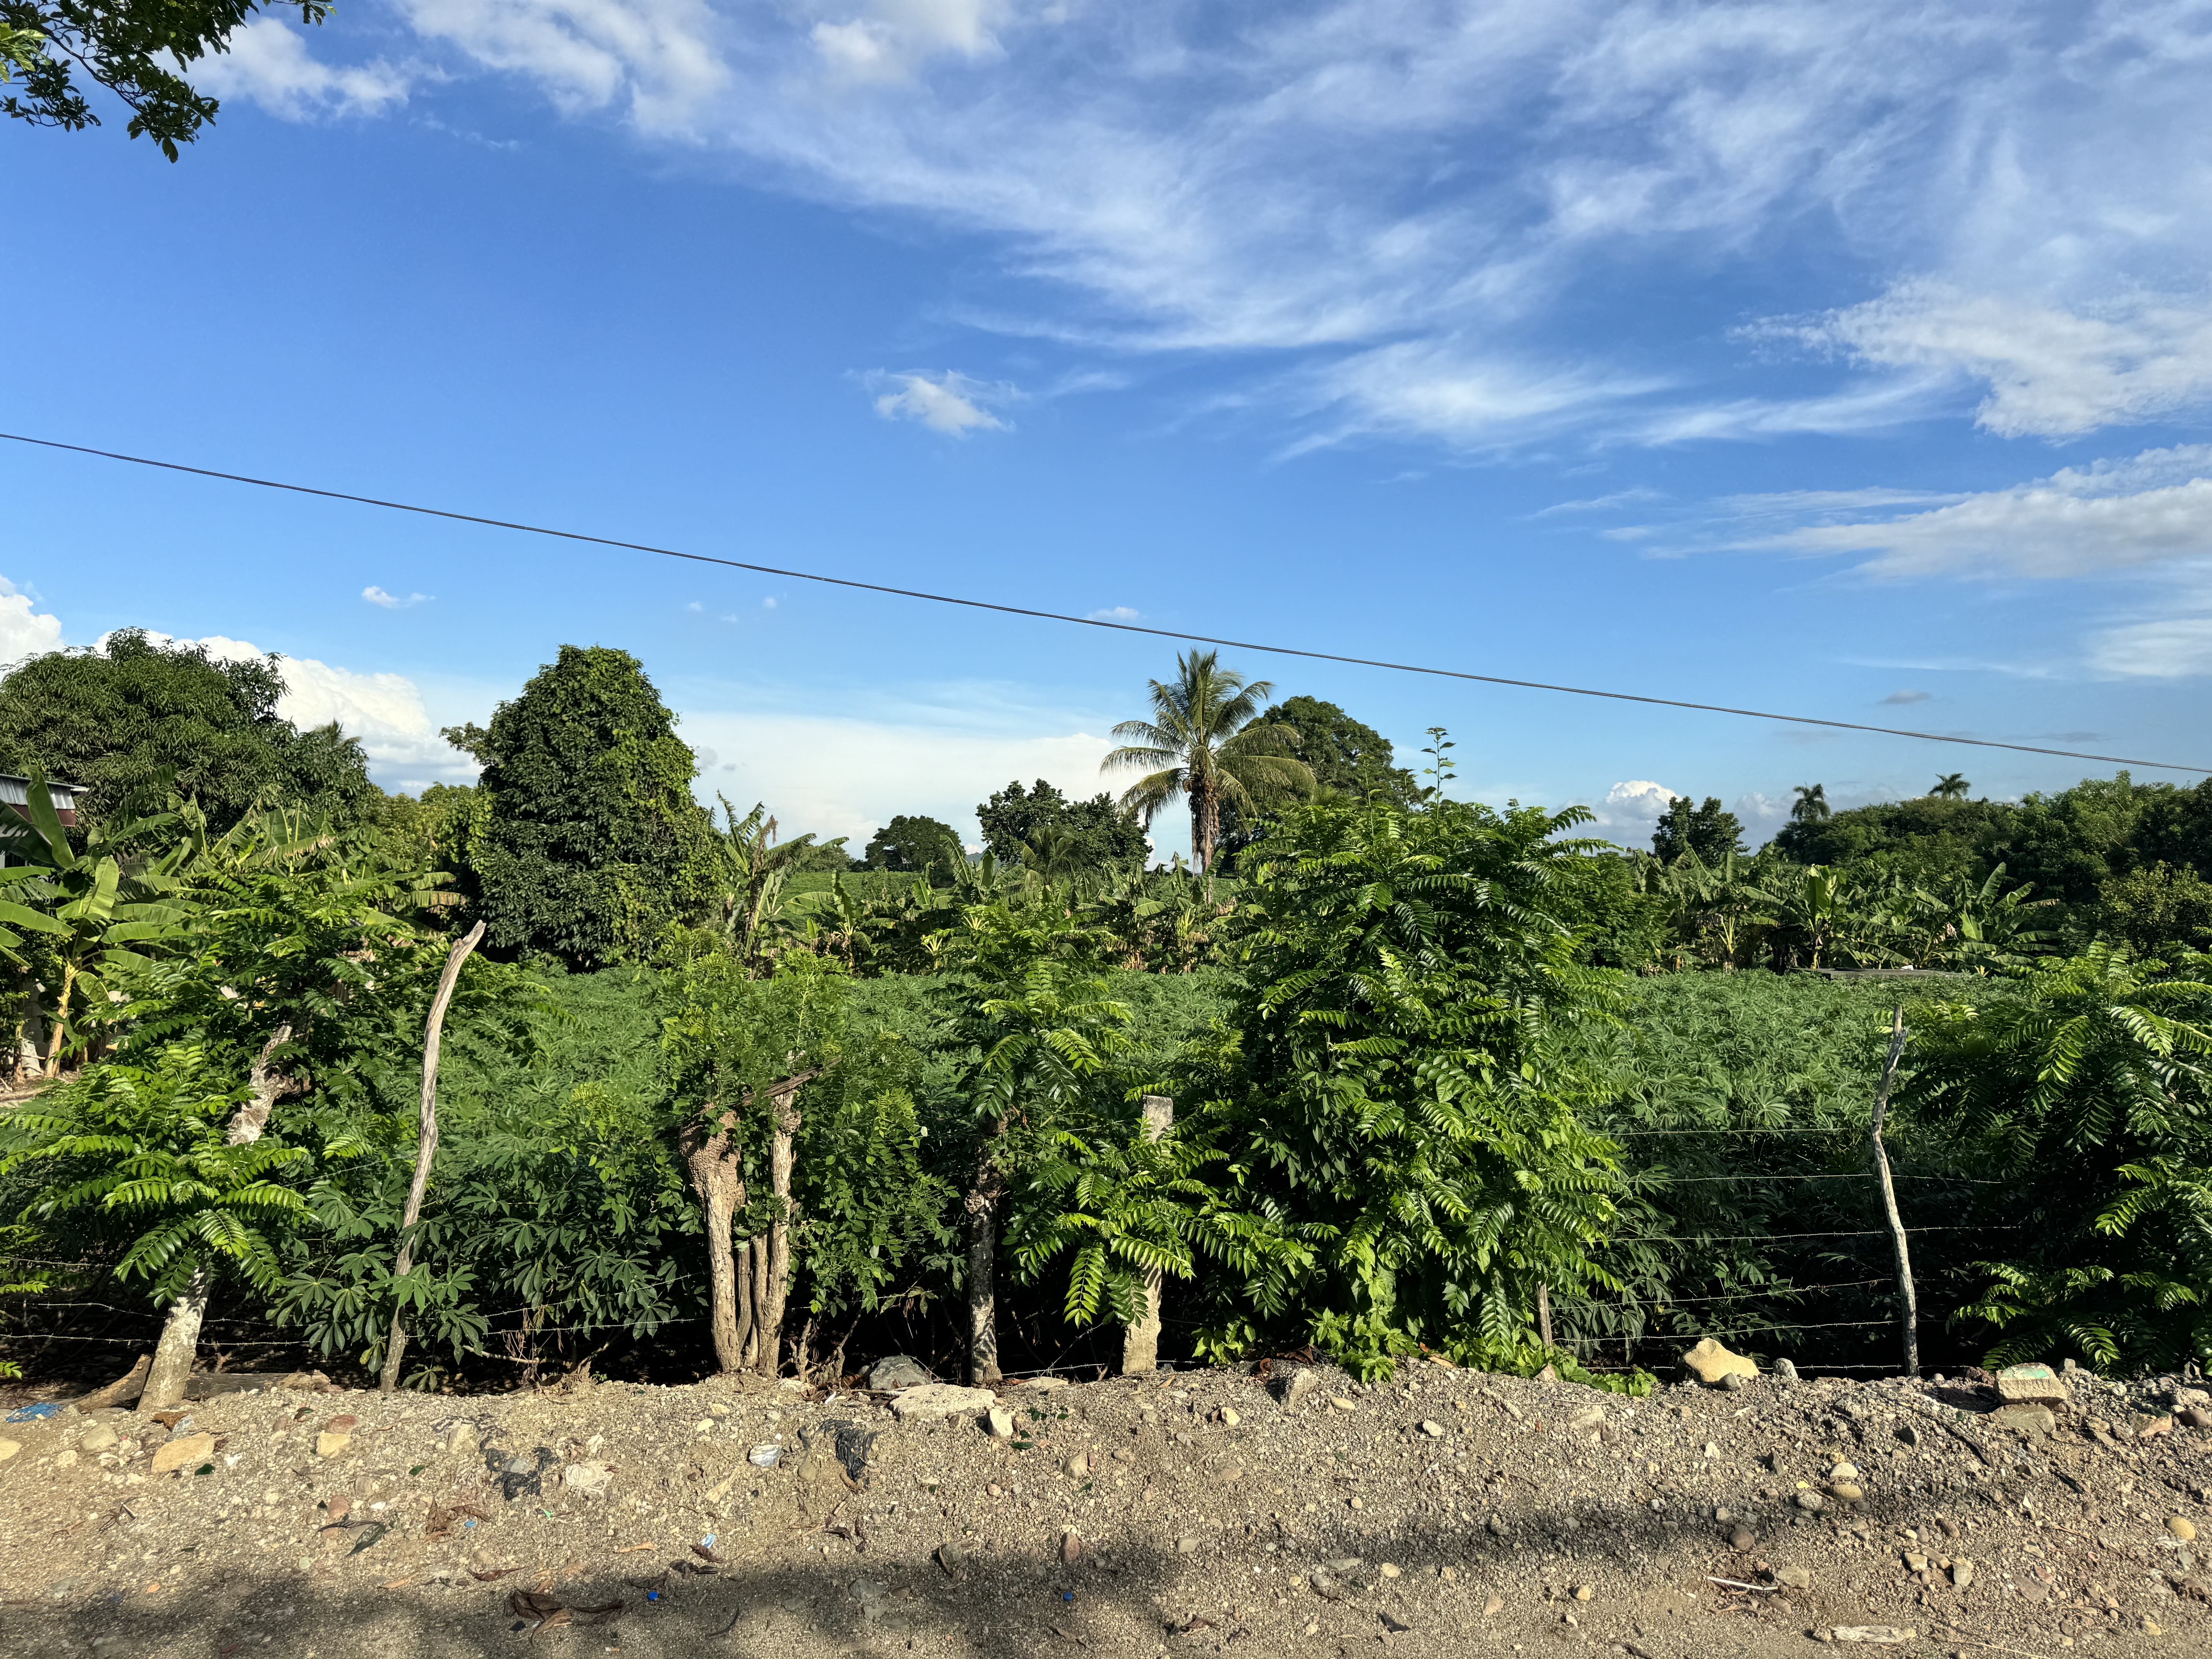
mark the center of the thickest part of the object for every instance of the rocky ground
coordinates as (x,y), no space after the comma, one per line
(1173,1514)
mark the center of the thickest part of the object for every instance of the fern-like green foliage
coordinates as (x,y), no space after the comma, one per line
(1120,1206)
(2089,1098)
(132,1162)
(1403,1087)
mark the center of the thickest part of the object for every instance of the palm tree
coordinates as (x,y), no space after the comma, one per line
(1951,785)
(1203,743)
(1812,806)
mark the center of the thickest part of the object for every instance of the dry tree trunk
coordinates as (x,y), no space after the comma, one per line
(743,1344)
(181,1340)
(251,1119)
(756,1252)
(983,1207)
(426,1144)
(717,1170)
(1140,1342)
(181,1333)
(774,1251)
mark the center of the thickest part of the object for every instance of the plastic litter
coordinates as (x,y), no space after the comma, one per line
(765,1457)
(32,1413)
(1068,1595)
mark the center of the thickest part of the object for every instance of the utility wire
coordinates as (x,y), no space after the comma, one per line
(1088,621)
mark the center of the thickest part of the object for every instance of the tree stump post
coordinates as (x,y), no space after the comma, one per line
(1140,1342)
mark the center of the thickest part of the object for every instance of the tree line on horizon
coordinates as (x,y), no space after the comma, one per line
(1425,1063)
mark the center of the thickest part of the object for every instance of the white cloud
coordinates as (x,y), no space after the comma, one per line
(952,404)
(1116,613)
(1902,699)
(2170,648)
(384,711)
(377,596)
(662,63)
(2052,372)
(1440,389)
(890,38)
(2149,509)
(1630,809)
(1422,189)
(268,62)
(24,632)
(849,777)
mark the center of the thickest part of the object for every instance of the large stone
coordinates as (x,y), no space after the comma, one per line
(2030,1383)
(927,1403)
(1710,1363)
(99,1437)
(8,1449)
(2025,1416)
(896,1371)
(328,1444)
(185,1451)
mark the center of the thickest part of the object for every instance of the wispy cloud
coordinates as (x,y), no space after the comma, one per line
(1116,613)
(949,402)
(2049,371)
(1637,496)
(2109,516)
(1904,699)
(2169,648)
(1419,203)
(377,596)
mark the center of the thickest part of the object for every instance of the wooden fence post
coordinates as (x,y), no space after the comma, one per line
(1908,1312)
(1140,1342)
(426,1144)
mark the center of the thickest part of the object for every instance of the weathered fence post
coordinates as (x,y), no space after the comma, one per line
(426,1145)
(1140,1342)
(1908,1304)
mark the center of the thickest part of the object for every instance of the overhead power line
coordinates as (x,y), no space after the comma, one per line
(1088,621)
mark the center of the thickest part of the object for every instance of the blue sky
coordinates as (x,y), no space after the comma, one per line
(1854,361)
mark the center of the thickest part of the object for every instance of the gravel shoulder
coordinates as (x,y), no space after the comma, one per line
(1176,1513)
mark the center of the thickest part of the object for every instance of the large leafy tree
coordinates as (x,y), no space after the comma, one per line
(1707,828)
(138,710)
(1088,832)
(1345,756)
(138,51)
(1040,1033)
(918,846)
(1403,1086)
(585,843)
(1206,743)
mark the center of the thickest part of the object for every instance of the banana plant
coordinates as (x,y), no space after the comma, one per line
(755,869)
(90,908)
